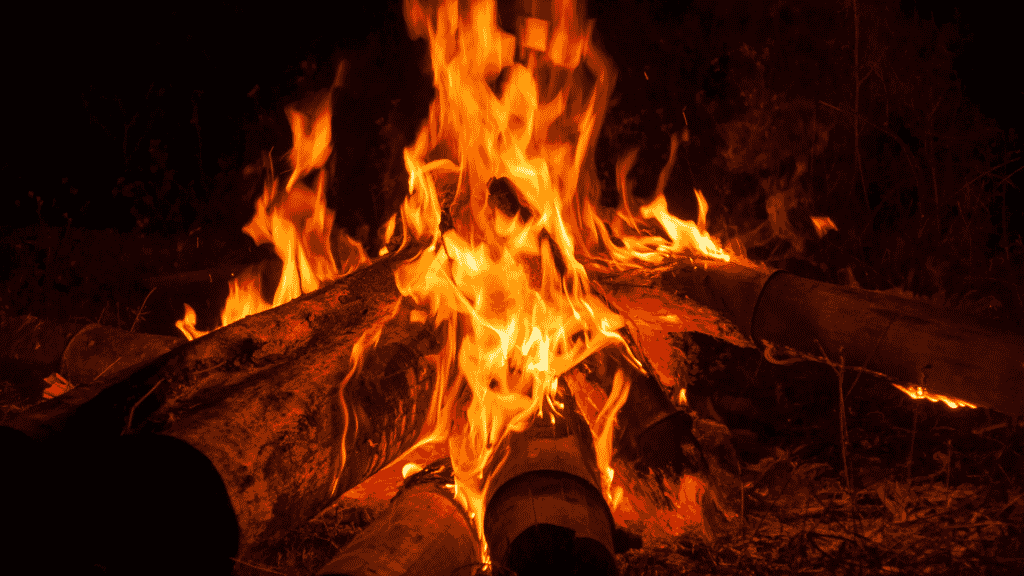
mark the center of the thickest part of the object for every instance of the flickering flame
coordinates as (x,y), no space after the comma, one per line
(512,129)
(921,393)
(294,217)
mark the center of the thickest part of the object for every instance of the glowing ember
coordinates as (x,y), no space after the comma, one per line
(822,225)
(921,393)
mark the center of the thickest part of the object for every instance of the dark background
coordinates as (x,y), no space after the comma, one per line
(142,122)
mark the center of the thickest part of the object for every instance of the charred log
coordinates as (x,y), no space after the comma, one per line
(909,341)
(88,357)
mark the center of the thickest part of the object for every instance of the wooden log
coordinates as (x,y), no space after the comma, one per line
(544,511)
(422,532)
(941,350)
(87,356)
(657,459)
(262,400)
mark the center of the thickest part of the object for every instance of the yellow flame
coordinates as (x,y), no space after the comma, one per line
(512,127)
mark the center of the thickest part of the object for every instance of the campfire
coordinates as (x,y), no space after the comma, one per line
(504,365)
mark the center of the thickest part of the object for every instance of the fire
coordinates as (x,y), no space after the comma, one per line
(922,393)
(512,131)
(294,217)
(512,128)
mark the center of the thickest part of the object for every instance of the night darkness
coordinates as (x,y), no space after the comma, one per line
(149,123)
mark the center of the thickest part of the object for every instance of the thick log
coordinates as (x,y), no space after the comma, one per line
(262,400)
(544,511)
(941,350)
(422,532)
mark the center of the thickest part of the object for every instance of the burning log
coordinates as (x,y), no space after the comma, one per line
(942,354)
(651,432)
(545,511)
(422,532)
(657,461)
(262,400)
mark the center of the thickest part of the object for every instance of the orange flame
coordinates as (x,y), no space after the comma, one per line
(296,220)
(512,130)
(512,127)
(922,393)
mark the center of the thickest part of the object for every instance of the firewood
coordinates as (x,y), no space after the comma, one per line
(422,532)
(261,399)
(85,357)
(940,350)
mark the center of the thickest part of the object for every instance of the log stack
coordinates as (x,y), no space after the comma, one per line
(256,410)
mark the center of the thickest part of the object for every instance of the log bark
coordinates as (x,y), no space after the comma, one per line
(545,513)
(262,400)
(941,350)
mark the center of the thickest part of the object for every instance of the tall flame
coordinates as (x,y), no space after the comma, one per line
(509,145)
(512,130)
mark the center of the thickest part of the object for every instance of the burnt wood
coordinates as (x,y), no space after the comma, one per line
(909,341)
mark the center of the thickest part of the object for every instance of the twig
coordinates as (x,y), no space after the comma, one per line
(989,171)
(903,146)
(141,308)
(131,413)
(743,498)
(844,434)
(1008,176)
(208,368)
(97,377)
(856,104)
(871,355)
(255,567)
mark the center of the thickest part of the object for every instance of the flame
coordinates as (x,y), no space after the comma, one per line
(922,393)
(512,129)
(293,215)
